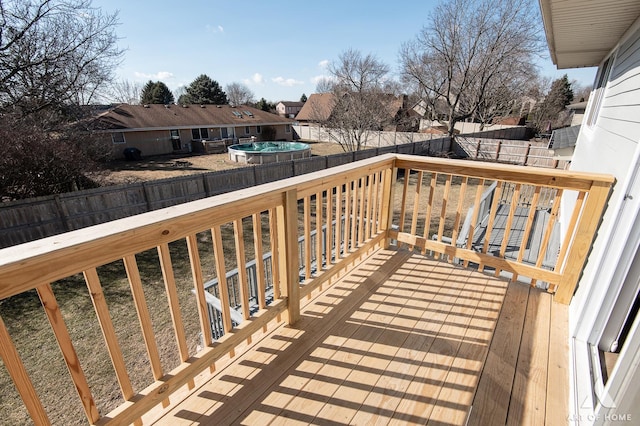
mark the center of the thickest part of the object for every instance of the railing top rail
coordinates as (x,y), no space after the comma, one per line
(29,265)
(565,179)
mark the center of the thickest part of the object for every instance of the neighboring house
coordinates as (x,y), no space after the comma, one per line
(604,325)
(163,129)
(319,107)
(577,111)
(289,109)
(563,142)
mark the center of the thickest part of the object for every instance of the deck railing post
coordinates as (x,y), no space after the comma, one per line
(287,224)
(582,240)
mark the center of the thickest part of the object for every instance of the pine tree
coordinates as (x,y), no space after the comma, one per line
(303,98)
(156,93)
(548,114)
(204,91)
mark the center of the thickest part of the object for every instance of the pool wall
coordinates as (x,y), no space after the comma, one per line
(268,152)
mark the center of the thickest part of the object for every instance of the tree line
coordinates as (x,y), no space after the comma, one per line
(472,60)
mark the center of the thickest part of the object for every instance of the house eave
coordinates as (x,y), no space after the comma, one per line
(581,34)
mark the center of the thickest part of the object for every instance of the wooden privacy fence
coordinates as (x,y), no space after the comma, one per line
(508,151)
(360,206)
(28,220)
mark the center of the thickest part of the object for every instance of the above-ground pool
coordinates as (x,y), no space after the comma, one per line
(268,152)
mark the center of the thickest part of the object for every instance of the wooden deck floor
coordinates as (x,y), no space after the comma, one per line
(401,339)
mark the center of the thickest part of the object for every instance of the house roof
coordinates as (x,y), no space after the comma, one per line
(564,138)
(291,103)
(317,108)
(147,117)
(582,33)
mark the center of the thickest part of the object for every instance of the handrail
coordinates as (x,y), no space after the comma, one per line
(354,204)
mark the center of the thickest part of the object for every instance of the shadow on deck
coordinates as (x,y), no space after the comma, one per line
(400,339)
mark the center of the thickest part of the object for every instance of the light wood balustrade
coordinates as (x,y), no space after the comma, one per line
(430,206)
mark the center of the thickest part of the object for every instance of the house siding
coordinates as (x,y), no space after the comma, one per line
(609,146)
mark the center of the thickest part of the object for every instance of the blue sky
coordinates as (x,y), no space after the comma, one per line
(277,48)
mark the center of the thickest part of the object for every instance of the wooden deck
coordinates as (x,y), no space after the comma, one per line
(401,339)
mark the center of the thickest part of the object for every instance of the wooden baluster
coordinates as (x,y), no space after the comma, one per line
(528,226)
(416,205)
(338,237)
(319,233)
(260,274)
(456,222)
(108,332)
(329,227)
(361,223)
(164,254)
(492,217)
(241,263)
(354,215)
(474,218)
(379,203)
(20,378)
(198,283)
(548,231)
(221,272)
(275,255)
(69,354)
(307,237)
(386,212)
(515,197)
(403,202)
(443,210)
(135,283)
(347,218)
(427,216)
(368,208)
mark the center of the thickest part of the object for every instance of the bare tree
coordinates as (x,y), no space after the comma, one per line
(125,92)
(54,52)
(239,94)
(466,52)
(359,104)
(56,56)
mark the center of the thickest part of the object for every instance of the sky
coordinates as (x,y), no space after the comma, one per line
(277,48)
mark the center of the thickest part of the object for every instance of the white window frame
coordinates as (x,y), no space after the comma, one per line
(247,130)
(258,129)
(599,89)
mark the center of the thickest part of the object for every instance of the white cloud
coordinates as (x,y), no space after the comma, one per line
(214,29)
(323,64)
(288,82)
(256,78)
(160,75)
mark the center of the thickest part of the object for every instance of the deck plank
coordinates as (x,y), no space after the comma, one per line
(401,339)
(491,402)
(528,398)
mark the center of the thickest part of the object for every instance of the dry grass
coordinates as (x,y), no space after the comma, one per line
(166,166)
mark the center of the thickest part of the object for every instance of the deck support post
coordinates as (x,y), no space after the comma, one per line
(287,224)
(585,233)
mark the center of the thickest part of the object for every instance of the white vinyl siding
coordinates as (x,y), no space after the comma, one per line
(609,143)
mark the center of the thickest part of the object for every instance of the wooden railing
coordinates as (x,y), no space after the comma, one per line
(362,206)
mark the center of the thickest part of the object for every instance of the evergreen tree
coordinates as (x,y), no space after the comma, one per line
(550,113)
(204,91)
(265,105)
(156,92)
(303,98)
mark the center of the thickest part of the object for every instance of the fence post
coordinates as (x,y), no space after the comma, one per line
(526,155)
(477,149)
(287,224)
(498,150)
